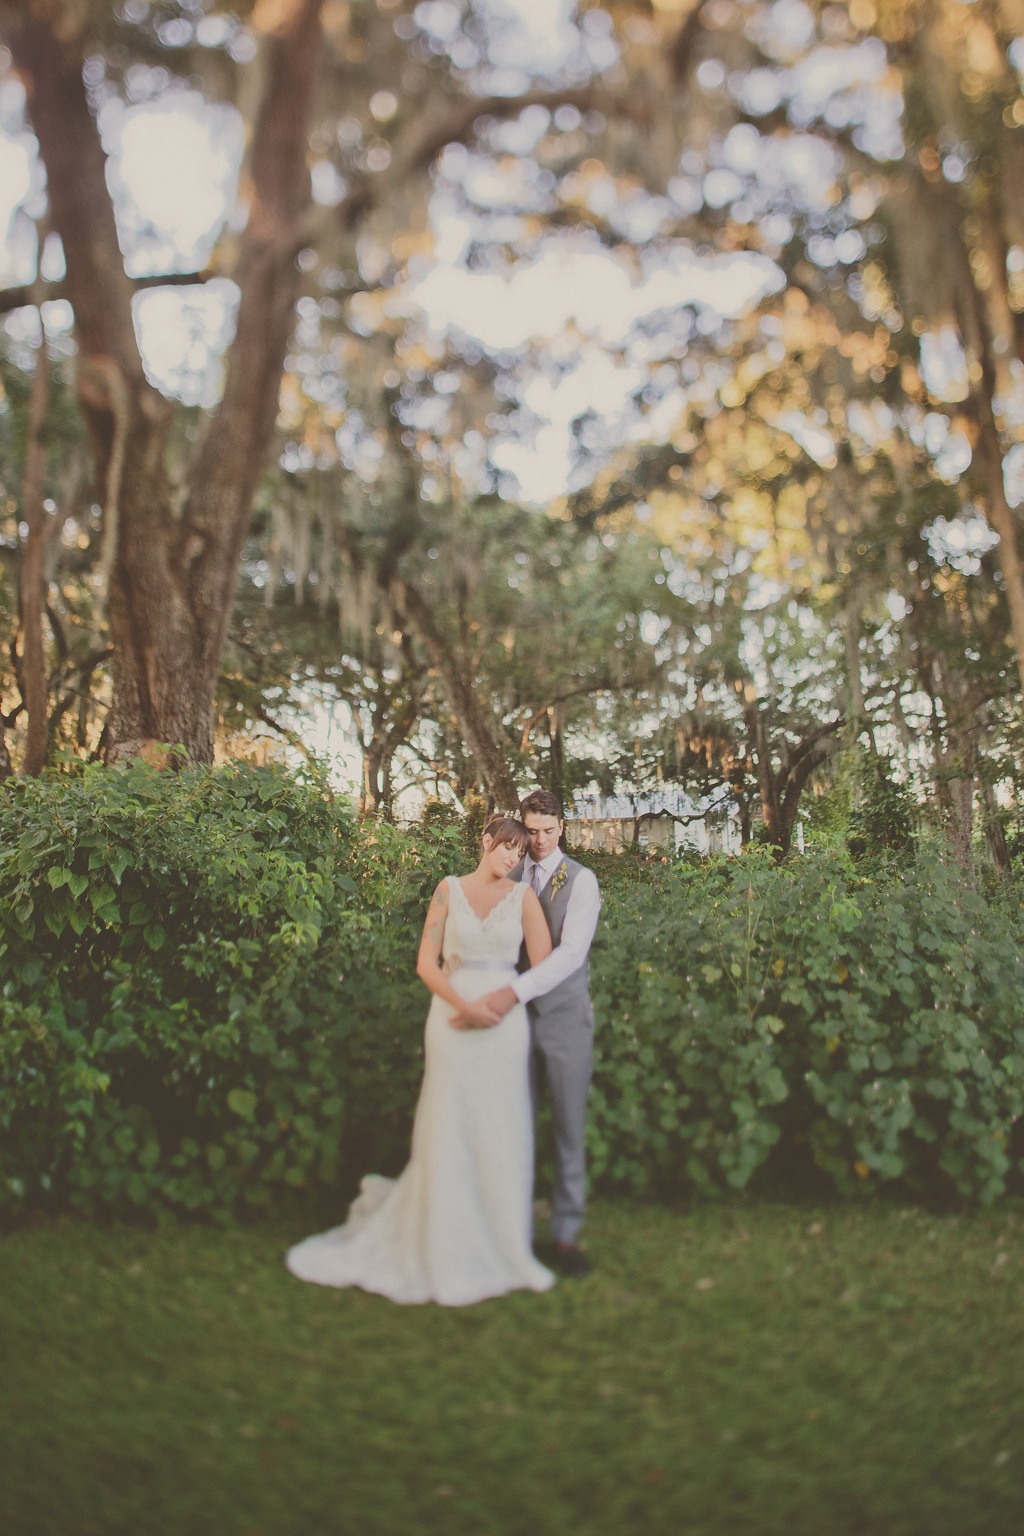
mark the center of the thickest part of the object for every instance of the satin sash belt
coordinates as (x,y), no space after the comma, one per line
(484,965)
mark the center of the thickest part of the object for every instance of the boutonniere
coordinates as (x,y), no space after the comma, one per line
(558,879)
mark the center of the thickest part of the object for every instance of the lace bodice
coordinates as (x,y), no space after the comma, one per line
(494,941)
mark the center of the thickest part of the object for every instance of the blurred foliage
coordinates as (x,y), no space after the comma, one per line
(886,816)
(209,1000)
(790,525)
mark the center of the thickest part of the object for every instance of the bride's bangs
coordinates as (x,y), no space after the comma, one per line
(507,831)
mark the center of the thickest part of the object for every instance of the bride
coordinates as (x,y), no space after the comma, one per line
(455,1226)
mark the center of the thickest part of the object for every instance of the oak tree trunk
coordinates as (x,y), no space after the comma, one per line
(387,735)
(760,749)
(995,833)
(557,753)
(32,576)
(781,789)
(1004,522)
(170,573)
(975,326)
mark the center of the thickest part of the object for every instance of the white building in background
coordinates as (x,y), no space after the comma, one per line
(609,823)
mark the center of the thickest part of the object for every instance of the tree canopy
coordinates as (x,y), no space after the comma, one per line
(623,396)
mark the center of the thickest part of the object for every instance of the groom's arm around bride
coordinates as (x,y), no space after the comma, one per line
(575,932)
(557,995)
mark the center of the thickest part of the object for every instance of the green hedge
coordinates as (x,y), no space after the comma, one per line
(207,994)
(208,1001)
(755,1018)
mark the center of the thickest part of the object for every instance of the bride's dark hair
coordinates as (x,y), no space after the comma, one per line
(507,829)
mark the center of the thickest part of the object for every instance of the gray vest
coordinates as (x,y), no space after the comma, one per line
(571,998)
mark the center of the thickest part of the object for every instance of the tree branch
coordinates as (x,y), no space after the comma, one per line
(82,673)
(685,45)
(682,821)
(798,778)
(808,744)
(292,737)
(22,293)
(80,207)
(417,155)
(225,469)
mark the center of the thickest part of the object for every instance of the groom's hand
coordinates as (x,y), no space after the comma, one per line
(500,1002)
(476,1015)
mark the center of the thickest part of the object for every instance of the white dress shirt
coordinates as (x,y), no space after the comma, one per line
(578,930)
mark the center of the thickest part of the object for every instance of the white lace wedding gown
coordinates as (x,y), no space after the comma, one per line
(455,1226)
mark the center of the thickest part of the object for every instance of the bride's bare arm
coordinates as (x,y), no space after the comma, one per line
(428,968)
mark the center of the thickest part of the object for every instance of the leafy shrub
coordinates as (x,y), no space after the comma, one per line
(875,1022)
(886,816)
(208,1001)
(208,990)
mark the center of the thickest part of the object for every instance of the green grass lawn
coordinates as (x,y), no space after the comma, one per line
(745,1368)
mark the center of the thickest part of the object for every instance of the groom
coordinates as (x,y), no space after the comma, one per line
(557,996)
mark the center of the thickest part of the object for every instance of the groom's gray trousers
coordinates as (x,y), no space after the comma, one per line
(564,1041)
(562,1038)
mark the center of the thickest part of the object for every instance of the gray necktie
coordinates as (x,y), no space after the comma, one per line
(536,878)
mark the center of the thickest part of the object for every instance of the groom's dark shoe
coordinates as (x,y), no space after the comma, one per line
(565,1259)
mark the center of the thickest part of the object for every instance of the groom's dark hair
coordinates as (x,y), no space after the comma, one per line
(542,803)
